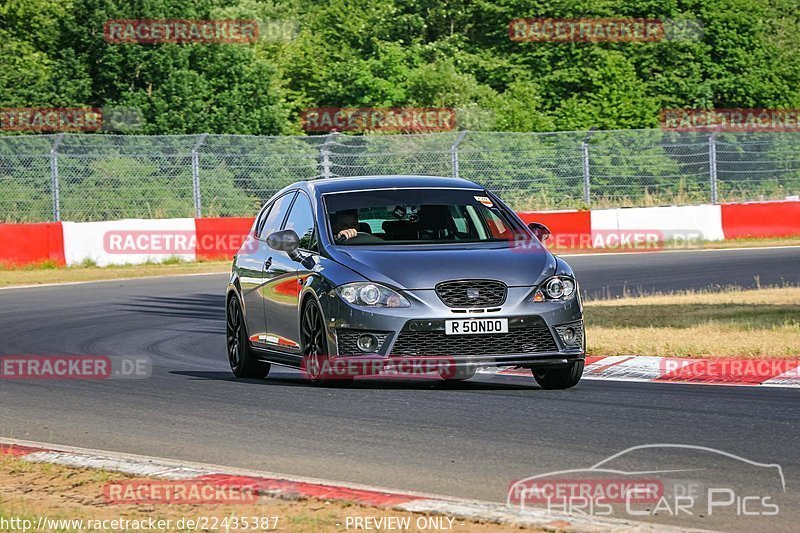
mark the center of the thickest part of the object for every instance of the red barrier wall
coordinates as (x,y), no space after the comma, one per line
(561,222)
(220,238)
(31,243)
(769,219)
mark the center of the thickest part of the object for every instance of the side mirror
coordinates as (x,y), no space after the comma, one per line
(541,231)
(285,241)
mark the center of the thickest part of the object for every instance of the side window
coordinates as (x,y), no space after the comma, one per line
(276,215)
(261,218)
(301,220)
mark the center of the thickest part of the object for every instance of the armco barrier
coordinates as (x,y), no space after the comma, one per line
(22,244)
(771,219)
(220,238)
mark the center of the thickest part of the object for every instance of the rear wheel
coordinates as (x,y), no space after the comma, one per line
(243,361)
(559,377)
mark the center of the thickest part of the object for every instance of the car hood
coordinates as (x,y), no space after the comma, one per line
(422,267)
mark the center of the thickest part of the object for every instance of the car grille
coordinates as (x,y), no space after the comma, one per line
(346,340)
(472,293)
(530,339)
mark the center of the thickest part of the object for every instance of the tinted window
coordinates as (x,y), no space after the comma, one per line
(276,215)
(301,220)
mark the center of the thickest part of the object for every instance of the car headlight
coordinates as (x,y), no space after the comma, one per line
(368,294)
(554,289)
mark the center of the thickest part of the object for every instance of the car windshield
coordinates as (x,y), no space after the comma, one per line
(415,216)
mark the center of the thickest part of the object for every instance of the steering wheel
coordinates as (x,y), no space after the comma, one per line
(361,237)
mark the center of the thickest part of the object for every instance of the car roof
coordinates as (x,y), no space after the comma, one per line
(358,183)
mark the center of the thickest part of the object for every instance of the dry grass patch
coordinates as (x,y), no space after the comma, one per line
(32,490)
(733,323)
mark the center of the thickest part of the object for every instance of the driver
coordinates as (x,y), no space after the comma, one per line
(345,224)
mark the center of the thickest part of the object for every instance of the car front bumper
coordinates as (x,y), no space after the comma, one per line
(534,336)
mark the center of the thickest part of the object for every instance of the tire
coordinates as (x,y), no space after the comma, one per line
(559,378)
(244,363)
(314,346)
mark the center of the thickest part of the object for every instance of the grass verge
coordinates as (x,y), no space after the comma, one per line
(732,323)
(29,491)
(48,272)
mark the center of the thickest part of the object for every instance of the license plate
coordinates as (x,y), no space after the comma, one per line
(475,326)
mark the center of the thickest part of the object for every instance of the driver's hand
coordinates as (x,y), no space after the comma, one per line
(346,234)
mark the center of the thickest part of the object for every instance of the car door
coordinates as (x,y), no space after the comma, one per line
(279,282)
(257,264)
(250,265)
(301,220)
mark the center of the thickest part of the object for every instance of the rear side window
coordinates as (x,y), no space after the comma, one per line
(277,213)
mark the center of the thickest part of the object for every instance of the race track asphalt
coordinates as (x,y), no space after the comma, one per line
(609,275)
(469,440)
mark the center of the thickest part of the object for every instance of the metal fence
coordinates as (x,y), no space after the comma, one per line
(102,177)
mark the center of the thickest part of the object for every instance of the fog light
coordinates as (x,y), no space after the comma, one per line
(571,334)
(367,343)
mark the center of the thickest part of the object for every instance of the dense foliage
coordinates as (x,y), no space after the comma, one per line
(382,53)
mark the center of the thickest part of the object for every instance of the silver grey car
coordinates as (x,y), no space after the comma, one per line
(396,269)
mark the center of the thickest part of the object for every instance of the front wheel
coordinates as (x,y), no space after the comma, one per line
(243,361)
(559,378)
(316,364)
